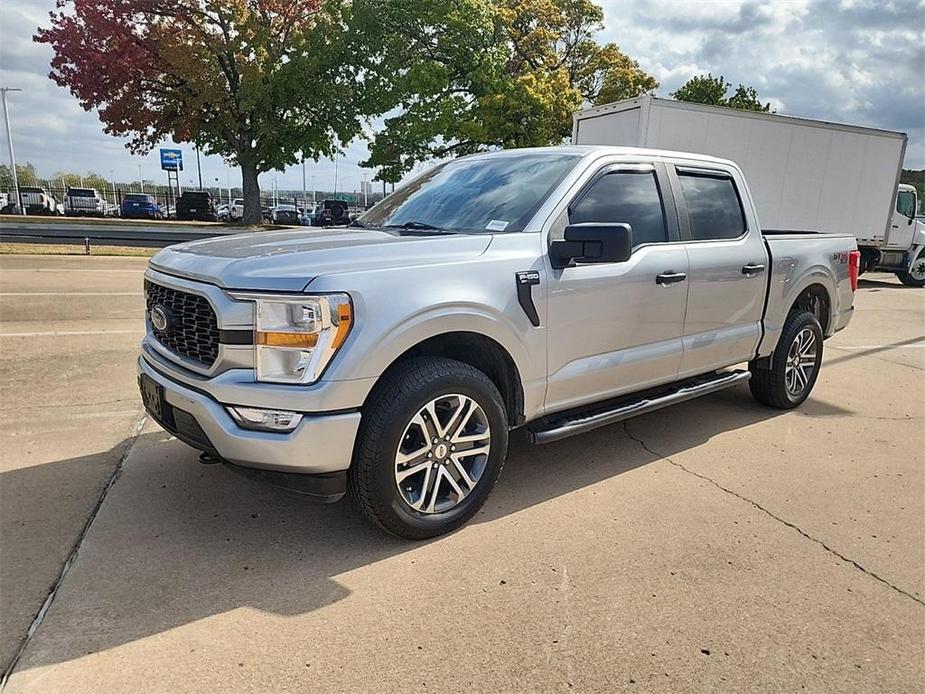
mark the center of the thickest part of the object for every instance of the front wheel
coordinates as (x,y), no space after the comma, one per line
(794,365)
(432,442)
(915,276)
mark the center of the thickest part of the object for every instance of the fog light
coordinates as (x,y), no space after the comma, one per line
(265,420)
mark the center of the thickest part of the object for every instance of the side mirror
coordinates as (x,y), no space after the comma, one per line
(592,242)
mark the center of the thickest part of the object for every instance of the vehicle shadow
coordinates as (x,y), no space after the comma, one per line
(176,541)
(894,283)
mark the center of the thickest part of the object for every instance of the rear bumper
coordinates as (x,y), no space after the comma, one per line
(321,444)
(842,318)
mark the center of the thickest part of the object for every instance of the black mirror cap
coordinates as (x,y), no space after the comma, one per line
(593,242)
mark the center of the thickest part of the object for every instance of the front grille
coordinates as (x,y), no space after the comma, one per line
(192,330)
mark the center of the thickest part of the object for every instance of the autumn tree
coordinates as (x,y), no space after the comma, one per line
(477,74)
(260,82)
(707,89)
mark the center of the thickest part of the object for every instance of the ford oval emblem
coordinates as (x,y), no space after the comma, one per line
(160,318)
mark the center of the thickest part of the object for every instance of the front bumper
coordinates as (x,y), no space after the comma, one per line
(322,444)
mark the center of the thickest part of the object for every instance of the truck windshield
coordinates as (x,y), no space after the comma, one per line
(490,192)
(905,203)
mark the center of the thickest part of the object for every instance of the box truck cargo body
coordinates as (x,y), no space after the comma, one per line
(804,175)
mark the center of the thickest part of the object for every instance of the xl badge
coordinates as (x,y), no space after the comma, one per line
(160,319)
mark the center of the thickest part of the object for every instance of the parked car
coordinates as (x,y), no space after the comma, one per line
(285,214)
(553,289)
(84,202)
(140,206)
(236,211)
(223,212)
(5,207)
(196,205)
(331,213)
(38,201)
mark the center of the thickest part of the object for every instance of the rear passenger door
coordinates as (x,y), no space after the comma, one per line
(728,269)
(616,327)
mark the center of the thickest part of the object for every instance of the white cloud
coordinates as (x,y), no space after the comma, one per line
(858,62)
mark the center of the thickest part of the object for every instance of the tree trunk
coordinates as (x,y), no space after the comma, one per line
(252,212)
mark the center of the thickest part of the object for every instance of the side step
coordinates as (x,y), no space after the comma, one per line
(565,424)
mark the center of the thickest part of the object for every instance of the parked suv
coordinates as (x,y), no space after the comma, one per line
(84,202)
(196,205)
(331,213)
(555,289)
(139,206)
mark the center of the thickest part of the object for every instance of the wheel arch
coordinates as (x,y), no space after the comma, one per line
(480,351)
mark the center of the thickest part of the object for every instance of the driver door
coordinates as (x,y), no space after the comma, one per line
(617,327)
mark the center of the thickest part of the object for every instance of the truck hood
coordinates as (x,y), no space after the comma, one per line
(289,260)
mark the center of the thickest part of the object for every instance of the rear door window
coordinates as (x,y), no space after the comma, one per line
(713,206)
(629,197)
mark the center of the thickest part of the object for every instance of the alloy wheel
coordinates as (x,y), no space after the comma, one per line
(801,362)
(442,453)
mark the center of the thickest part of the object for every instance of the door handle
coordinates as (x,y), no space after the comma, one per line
(752,269)
(670,277)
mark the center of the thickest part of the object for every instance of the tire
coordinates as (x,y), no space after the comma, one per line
(786,385)
(395,426)
(916,278)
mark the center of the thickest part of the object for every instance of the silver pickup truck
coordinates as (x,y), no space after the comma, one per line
(557,289)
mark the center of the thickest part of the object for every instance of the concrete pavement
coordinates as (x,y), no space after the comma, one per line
(716,545)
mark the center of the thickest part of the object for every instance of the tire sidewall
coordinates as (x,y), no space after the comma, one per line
(382,475)
(794,327)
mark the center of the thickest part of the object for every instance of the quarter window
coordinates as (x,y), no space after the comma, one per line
(625,197)
(713,207)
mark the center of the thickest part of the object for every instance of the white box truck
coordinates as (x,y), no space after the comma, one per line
(803,174)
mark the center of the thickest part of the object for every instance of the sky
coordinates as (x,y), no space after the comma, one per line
(852,61)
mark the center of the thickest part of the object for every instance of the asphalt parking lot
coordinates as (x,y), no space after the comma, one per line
(716,545)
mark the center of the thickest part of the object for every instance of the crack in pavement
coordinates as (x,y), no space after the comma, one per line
(72,556)
(761,508)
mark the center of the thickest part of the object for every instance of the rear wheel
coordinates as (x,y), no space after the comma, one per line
(794,365)
(915,276)
(431,445)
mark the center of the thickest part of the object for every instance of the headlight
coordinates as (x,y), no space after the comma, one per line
(296,337)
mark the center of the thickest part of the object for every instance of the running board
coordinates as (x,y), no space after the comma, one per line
(575,422)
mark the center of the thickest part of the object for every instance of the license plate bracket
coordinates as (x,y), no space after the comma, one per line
(152,396)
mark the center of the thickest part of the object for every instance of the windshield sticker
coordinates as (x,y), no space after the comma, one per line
(496,225)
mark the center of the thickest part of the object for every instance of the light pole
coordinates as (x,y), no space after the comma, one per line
(9,140)
(365,192)
(335,176)
(304,194)
(198,167)
(141,181)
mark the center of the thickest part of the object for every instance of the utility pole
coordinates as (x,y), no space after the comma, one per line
(198,167)
(9,140)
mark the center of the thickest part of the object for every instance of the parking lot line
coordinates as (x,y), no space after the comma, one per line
(55,269)
(69,333)
(71,294)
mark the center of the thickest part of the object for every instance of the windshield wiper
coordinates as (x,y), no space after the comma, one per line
(417,226)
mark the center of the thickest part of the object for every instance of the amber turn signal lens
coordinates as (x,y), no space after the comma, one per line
(344,322)
(298,340)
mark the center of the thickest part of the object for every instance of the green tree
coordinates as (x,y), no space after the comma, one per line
(476,74)
(262,83)
(25,174)
(707,89)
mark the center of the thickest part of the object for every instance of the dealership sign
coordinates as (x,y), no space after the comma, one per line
(172,159)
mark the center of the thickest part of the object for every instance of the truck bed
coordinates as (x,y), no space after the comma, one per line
(817,258)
